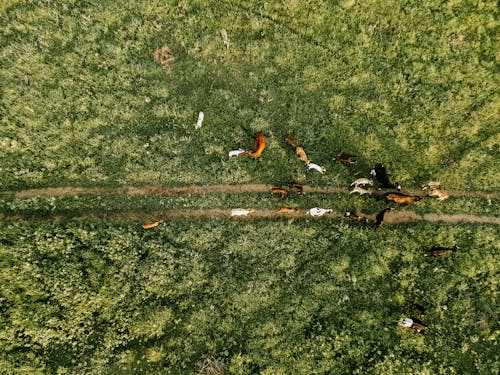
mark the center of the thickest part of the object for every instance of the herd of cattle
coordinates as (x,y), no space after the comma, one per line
(360,186)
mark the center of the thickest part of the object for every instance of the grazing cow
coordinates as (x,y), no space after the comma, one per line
(302,155)
(287,210)
(201,116)
(417,307)
(241,212)
(353,217)
(291,141)
(381,175)
(236,152)
(346,158)
(259,145)
(296,186)
(360,191)
(415,324)
(437,251)
(379,220)
(362,181)
(400,198)
(317,211)
(225,38)
(431,185)
(441,195)
(316,167)
(281,191)
(152,225)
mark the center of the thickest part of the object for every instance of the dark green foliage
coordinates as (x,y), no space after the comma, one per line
(270,296)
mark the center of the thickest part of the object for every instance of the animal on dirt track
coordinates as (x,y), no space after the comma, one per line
(241,211)
(259,145)
(152,224)
(296,186)
(379,220)
(287,210)
(441,195)
(400,198)
(381,175)
(353,217)
(317,211)
(281,191)
(360,191)
(437,251)
(415,324)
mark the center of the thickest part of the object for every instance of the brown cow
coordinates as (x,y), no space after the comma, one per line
(437,251)
(400,198)
(353,217)
(415,324)
(287,210)
(152,225)
(281,191)
(296,186)
(259,145)
(291,141)
(346,158)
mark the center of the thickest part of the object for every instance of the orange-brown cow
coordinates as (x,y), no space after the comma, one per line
(400,198)
(437,251)
(287,210)
(281,191)
(152,225)
(259,145)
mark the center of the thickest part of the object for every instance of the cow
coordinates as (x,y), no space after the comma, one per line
(346,158)
(291,141)
(259,145)
(441,195)
(353,217)
(201,116)
(152,225)
(362,181)
(431,185)
(379,220)
(415,324)
(316,167)
(236,152)
(381,175)
(296,186)
(281,191)
(225,38)
(241,212)
(302,154)
(317,211)
(287,210)
(360,191)
(437,251)
(400,198)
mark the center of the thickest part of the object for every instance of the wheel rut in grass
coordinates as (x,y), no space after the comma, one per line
(209,189)
(392,218)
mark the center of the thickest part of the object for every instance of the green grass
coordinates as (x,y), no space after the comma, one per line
(408,84)
(413,85)
(263,297)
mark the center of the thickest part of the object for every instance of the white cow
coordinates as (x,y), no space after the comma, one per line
(236,152)
(201,116)
(316,167)
(362,181)
(241,212)
(360,190)
(317,211)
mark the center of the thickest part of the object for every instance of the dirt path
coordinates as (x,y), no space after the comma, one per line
(210,189)
(393,217)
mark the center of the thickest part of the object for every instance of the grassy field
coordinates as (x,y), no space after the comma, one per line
(411,84)
(269,297)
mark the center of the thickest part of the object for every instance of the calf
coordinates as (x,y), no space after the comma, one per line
(441,195)
(415,324)
(353,217)
(381,175)
(400,198)
(259,145)
(236,152)
(346,158)
(316,167)
(287,210)
(317,211)
(296,186)
(152,225)
(360,191)
(362,181)
(302,154)
(241,212)
(281,191)
(291,141)
(437,251)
